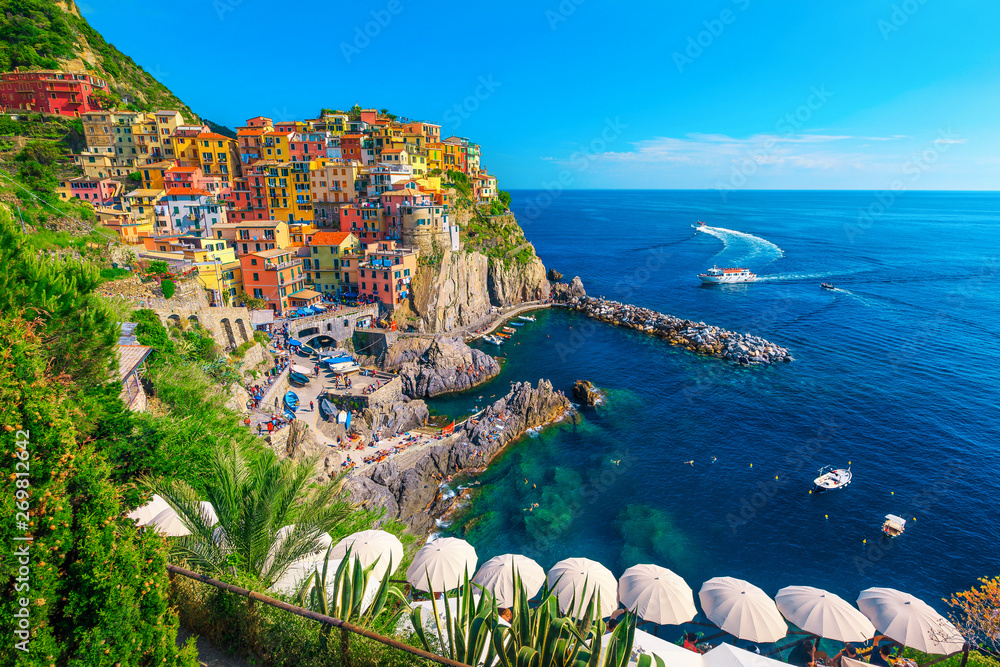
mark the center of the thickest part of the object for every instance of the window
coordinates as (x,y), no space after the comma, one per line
(363,286)
(258,293)
(256,278)
(315,250)
(253,261)
(244,248)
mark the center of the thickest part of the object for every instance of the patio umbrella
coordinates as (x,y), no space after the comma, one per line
(576,580)
(910,621)
(670,653)
(742,610)
(369,546)
(208,512)
(656,595)
(726,655)
(143,515)
(294,342)
(824,614)
(293,578)
(497,576)
(168,522)
(445,561)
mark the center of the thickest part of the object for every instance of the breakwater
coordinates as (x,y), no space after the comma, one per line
(697,337)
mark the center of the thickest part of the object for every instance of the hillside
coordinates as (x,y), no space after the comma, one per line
(44,34)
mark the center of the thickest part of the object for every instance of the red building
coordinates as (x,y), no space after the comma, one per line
(50,91)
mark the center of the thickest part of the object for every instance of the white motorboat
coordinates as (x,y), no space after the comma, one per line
(717,276)
(493,339)
(529,318)
(894,525)
(831,478)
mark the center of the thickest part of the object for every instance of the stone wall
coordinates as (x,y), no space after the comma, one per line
(230,327)
(338,325)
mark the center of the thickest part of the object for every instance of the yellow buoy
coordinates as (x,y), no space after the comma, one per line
(776,477)
(892,493)
(864,541)
(751,465)
(826,516)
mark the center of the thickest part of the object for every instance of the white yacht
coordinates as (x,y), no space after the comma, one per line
(717,276)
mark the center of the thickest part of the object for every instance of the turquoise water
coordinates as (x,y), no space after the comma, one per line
(896,371)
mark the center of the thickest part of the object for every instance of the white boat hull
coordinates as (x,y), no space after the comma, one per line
(725,280)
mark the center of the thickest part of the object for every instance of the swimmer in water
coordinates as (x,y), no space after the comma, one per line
(690,463)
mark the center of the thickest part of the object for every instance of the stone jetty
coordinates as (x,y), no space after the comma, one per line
(697,337)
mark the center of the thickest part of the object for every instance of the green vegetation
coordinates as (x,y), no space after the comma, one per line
(219,129)
(95,579)
(459,181)
(251,302)
(158,266)
(168,288)
(38,34)
(114,274)
(497,236)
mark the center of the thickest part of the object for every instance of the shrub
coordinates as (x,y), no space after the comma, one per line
(168,288)
(158,266)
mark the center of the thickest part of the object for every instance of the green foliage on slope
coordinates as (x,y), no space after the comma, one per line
(39,34)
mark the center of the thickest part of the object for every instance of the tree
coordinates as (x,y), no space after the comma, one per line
(269,514)
(168,288)
(36,166)
(106,100)
(253,303)
(977,613)
(504,198)
(158,266)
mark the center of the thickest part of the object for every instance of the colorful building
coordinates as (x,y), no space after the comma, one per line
(51,91)
(96,191)
(274,276)
(386,272)
(326,250)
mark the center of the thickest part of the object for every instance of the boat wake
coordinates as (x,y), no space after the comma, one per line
(746,249)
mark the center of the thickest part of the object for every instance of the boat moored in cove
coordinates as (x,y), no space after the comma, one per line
(292,401)
(831,478)
(828,286)
(893,526)
(717,276)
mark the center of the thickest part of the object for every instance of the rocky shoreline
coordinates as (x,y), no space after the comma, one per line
(697,337)
(411,492)
(431,367)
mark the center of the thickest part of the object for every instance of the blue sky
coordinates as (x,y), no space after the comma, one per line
(864,94)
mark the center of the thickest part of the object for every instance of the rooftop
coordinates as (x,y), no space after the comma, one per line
(329,238)
(129,358)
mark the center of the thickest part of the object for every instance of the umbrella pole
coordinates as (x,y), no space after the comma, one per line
(965,654)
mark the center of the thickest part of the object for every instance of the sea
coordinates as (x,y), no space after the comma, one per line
(706,467)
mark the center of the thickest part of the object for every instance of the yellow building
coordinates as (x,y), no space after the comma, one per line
(299,232)
(249,236)
(333,180)
(129,229)
(277,146)
(323,264)
(140,204)
(218,270)
(218,156)
(435,156)
(152,174)
(286,187)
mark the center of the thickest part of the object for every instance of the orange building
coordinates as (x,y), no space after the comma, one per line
(276,277)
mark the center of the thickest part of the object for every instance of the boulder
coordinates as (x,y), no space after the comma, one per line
(554,276)
(433,367)
(585,393)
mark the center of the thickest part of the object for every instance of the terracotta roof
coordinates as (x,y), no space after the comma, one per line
(186,191)
(393,150)
(212,135)
(329,238)
(183,169)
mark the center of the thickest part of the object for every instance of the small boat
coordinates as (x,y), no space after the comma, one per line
(831,478)
(307,351)
(502,335)
(828,286)
(289,415)
(517,324)
(292,401)
(701,224)
(326,408)
(298,378)
(893,526)
(509,330)
(527,318)
(493,339)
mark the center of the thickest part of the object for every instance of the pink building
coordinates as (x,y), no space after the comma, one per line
(97,191)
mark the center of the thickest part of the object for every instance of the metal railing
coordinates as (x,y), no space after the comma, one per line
(312,615)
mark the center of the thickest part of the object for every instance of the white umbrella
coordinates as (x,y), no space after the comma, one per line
(576,580)
(208,512)
(143,515)
(169,523)
(910,621)
(323,541)
(742,610)
(670,653)
(445,561)
(824,614)
(369,546)
(656,595)
(295,576)
(726,655)
(497,576)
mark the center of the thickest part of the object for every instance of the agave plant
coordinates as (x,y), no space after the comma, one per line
(345,596)
(469,632)
(542,637)
(268,514)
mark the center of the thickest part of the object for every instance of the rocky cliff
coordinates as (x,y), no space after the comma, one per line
(412,494)
(461,290)
(429,367)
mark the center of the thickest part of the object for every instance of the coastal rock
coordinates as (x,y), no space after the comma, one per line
(699,337)
(585,393)
(464,287)
(554,276)
(412,494)
(433,367)
(566,293)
